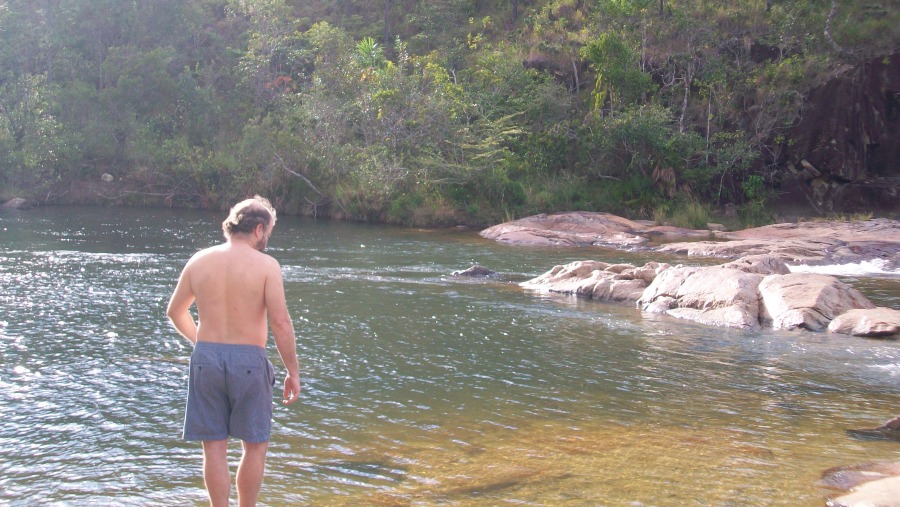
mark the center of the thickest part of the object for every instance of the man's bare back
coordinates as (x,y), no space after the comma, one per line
(229,284)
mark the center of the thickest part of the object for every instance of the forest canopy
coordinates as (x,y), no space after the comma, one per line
(434,112)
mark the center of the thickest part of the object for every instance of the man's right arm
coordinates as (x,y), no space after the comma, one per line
(178,310)
(283,331)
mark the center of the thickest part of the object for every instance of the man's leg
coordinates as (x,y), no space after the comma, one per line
(215,472)
(250,473)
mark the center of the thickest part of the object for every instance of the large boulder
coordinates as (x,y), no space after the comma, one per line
(808,301)
(871,323)
(714,296)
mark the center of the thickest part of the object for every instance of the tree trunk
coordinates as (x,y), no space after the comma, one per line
(387,23)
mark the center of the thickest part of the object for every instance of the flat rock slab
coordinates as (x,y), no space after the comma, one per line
(569,229)
(804,242)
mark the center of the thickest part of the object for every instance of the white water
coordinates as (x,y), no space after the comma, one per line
(876,267)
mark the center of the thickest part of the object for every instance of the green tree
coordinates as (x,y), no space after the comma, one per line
(620,81)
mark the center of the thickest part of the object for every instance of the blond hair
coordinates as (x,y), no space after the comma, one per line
(247,214)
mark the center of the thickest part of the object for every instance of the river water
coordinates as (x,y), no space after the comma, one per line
(420,388)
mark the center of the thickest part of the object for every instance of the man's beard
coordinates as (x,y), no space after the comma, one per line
(261,244)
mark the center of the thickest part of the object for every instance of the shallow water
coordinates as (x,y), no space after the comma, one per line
(419,388)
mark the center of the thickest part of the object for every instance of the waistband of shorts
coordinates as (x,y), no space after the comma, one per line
(229,347)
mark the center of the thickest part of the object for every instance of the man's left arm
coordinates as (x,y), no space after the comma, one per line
(283,331)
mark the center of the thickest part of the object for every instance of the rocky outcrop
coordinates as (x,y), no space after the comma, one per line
(568,229)
(757,289)
(746,294)
(871,323)
(806,243)
(794,243)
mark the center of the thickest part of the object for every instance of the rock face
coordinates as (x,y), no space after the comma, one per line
(845,149)
(871,323)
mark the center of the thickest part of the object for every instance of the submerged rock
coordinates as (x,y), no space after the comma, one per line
(887,431)
(476,271)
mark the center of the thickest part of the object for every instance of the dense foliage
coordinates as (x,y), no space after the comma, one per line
(419,112)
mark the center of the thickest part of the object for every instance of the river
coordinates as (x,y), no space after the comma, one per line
(420,388)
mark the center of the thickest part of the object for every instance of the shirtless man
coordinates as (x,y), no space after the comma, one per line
(238,291)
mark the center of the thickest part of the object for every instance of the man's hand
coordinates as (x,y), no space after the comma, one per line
(291,390)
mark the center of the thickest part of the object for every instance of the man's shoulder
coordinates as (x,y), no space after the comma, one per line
(206,252)
(270,262)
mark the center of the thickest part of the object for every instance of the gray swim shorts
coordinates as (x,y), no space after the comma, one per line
(229,393)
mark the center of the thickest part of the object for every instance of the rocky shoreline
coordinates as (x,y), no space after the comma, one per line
(755,289)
